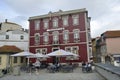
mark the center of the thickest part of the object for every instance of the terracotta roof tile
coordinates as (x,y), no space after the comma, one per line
(9,48)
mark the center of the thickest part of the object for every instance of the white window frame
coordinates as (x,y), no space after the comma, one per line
(75,19)
(37,40)
(76,34)
(46,37)
(40,50)
(76,52)
(66,35)
(65,20)
(46,23)
(37,24)
(55,22)
(55,36)
(71,50)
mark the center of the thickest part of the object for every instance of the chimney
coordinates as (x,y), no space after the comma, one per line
(6,20)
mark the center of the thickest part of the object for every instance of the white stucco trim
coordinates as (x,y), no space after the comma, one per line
(87,40)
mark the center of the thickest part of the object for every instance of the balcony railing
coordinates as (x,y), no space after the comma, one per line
(76,40)
(55,43)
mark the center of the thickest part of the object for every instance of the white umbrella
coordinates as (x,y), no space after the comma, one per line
(25,53)
(61,53)
(38,55)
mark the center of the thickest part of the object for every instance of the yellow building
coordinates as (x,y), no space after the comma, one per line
(6,61)
(5,26)
(94,49)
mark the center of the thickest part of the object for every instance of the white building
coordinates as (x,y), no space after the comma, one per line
(13,34)
(17,38)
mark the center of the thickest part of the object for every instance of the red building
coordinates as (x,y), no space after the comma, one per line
(67,30)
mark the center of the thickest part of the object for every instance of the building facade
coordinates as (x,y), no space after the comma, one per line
(17,38)
(108,47)
(67,30)
(6,61)
(5,26)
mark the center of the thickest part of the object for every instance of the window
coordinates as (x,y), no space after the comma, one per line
(15,59)
(0,60)
(45,25)
(89,37)
(117,59)
(55,36)
(45,38)
(68,49)
(21,59)
(44,51)
(73,49)
(75,19)
(41,50)
(90,51)
(37,38)
(66,35)
(38,50)
(46,22)
(55,22)
(76,34)
(21,37)
(7,36)
(65,20)
(37,25)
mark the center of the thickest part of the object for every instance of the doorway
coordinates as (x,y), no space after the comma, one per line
(55,59)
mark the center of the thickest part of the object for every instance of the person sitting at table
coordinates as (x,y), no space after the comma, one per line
(37,64)
(89,67)
(84,66)
(57,66)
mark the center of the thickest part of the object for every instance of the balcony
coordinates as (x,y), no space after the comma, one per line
(76,40)
(66,41)
(55,43)
(45,43)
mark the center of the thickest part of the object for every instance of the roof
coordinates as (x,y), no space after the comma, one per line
(112,34)
(60,12)
(9,48)
(11,23)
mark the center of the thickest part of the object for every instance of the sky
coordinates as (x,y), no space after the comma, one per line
(105,14)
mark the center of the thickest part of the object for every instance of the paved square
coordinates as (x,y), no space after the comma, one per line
(44,75)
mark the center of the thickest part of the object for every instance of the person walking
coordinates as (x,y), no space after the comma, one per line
(30,67)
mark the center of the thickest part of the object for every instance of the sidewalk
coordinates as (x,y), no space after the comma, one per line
(44,75)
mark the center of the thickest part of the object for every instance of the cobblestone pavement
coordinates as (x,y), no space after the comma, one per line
(44,75)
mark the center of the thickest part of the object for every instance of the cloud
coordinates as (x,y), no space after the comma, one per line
(104,13)
(21,20)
